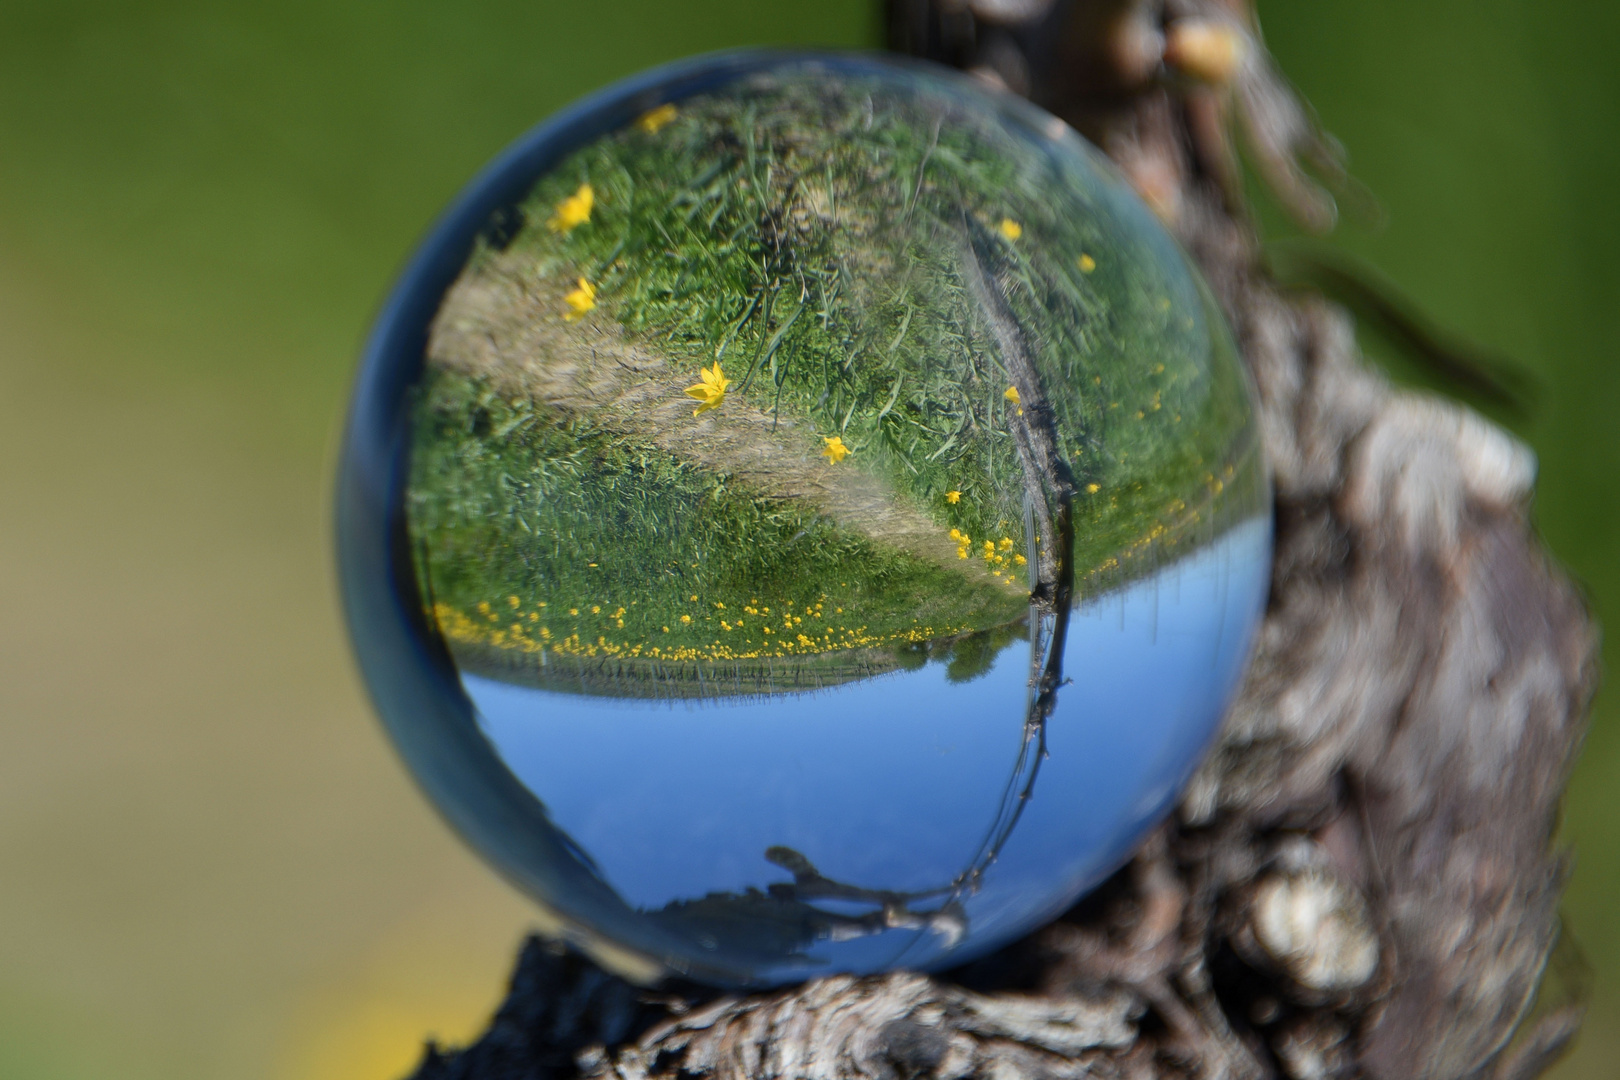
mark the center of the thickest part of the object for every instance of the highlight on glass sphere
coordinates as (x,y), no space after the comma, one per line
(802,514)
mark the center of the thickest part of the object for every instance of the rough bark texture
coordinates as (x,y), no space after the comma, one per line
(1361,880)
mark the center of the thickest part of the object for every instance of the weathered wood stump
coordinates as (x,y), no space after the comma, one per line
(1361,880)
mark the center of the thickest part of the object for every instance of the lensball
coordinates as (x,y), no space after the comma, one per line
(802,514)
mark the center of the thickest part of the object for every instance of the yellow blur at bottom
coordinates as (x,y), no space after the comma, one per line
(418,984)
(382,1038)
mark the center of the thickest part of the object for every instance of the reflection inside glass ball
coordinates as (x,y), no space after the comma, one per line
(840,510)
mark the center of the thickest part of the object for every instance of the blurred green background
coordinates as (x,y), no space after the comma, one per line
(210,863)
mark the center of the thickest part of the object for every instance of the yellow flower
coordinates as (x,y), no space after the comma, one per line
(580,300)
(1092,489)
(1020,560)
(1087,264)
(1010,228)
(953,497)
(1011,394)
(653,119)
(574,210)
(711,391)
(835,450)
(686,618)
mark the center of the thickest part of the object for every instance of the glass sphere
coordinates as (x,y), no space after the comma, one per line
(802,514)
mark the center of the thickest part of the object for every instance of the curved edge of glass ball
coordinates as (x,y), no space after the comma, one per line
(411,677)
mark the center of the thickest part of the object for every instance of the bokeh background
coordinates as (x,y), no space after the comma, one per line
(211,864)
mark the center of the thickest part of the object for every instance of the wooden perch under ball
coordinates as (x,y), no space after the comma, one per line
(1361,880)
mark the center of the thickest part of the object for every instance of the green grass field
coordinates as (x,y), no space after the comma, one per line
(549,533)
(819,250)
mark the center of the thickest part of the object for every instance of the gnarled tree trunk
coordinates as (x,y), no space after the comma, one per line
(1361,881)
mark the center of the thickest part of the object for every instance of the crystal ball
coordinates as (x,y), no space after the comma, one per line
(801,514)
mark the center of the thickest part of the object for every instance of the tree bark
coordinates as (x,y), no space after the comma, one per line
(1361,880)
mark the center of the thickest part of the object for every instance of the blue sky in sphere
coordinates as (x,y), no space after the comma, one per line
(893,782)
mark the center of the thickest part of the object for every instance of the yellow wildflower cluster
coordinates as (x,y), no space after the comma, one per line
(1175,520)
(1137,548)
(571,213)
(1010,228)
(787,639)
(997,555)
